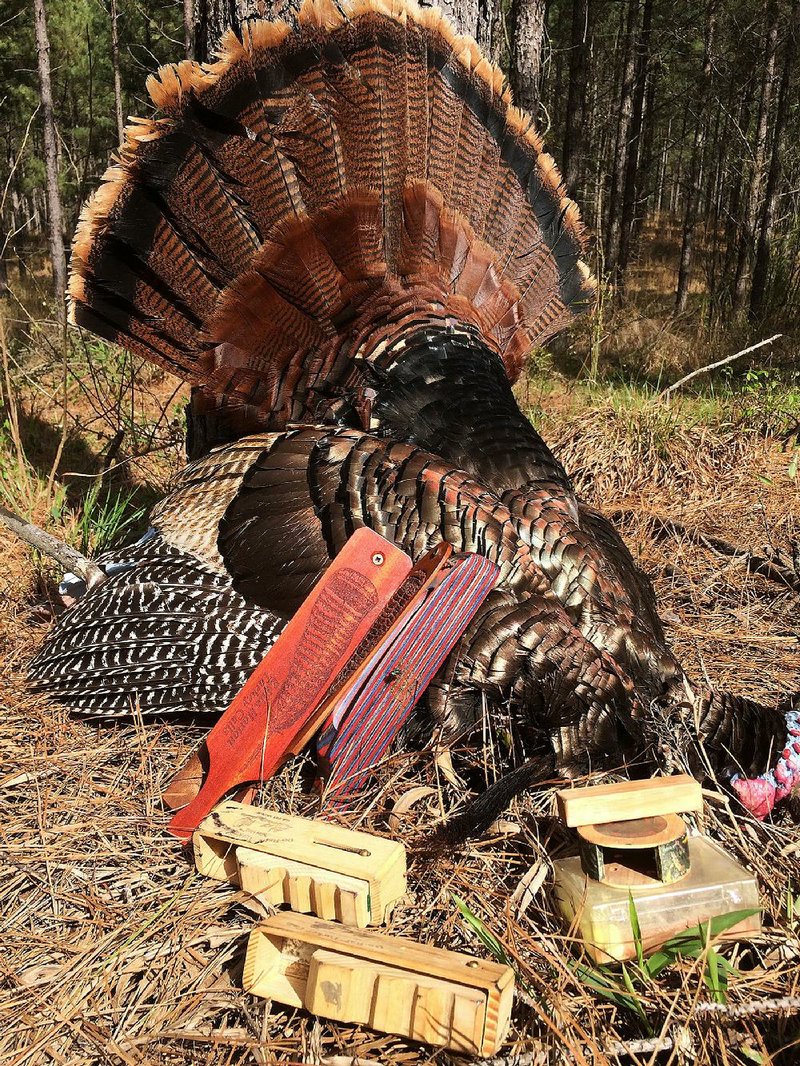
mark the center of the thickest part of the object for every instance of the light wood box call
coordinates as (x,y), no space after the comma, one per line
(624,801)
(314,867)
(387,983)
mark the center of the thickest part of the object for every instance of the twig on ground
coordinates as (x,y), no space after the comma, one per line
(754,1009)
(524,1058)
(713,366)
(49,545)
(756,564)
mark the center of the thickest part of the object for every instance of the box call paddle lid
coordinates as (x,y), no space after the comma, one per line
(270,717)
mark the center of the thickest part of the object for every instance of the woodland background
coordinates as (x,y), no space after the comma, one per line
(677,126)
(682,116)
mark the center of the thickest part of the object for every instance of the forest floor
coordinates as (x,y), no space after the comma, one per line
(116,951)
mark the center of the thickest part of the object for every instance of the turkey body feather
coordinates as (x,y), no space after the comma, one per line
(347,238)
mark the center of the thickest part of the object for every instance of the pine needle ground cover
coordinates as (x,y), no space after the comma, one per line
(115,951)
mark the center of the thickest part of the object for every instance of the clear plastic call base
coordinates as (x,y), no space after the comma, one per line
(598,911)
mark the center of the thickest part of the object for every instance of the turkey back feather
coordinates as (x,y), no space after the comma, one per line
(312,179)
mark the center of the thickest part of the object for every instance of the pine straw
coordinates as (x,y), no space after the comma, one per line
(115,951)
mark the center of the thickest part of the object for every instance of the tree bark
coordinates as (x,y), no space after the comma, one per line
(662,174)
(574,133)
(753,202)
(527,29)
(631,189)
(498,52)
(715,201)
(464,14)
(188,28)
(761,266)
(624,119)
(645,179)
(742,90)
(213,17)
(55,226)
(692,191)
(489,26)
(115,70)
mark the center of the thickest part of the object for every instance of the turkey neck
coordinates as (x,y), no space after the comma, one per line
(438,384)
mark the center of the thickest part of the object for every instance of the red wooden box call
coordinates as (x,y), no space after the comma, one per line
(283,701)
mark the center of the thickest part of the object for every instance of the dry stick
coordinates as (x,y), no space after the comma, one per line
(756,564)
(713,366)
(49,545)
(62,324)
(633,1048)
(618,1049)
(752,1009)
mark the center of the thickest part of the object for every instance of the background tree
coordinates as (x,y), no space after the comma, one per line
(55,225)
(670,120)
(527,41)
(703,109)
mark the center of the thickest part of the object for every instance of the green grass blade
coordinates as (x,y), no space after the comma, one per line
(693,940)
(484,934)
(637,933)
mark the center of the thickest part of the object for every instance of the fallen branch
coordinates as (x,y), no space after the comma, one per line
(770,568)
(756,1008)
(714,366)
(46,543)
(680,1037)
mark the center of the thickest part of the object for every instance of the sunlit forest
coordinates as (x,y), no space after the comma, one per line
(674,404)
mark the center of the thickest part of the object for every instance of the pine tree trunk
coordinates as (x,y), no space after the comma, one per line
(624,119)
(464,14)
(761,266)
(645,182)
(574,134)
(488,27)
(692,191)
(739,124)
(551,89)
(715,202)
(188,28)
(55,227)
(662,174)
(115,70)
(631,190)
(213,17)
(498,51)
(527,39)
(753,201)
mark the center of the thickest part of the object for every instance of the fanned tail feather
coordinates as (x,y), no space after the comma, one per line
(367,158)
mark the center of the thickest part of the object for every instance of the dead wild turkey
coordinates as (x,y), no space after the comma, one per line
(345,234)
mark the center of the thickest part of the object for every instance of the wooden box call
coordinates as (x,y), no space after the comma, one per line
(283,702)
(388,983)
(340,874)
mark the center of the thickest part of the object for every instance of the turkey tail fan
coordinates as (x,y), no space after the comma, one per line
(315,182)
